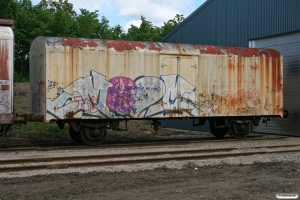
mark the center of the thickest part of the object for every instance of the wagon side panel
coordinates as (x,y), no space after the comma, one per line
(240,83)
(97,79)
(6,74)
(105,79)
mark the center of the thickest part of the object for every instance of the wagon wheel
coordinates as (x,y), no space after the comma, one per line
(4,128)
(218,132)
(238,134)
(75,135)
(93,136)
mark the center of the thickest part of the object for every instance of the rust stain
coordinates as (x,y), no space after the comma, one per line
(42,86)
(272,53)
(4,87)
(239,51)
(4,67)
(121,45)
(7,22)
(107,62)
(280,86)
(154,47)
(207,49)
(274,85)
(240,83)
(179,49)
(70,115)
(78,43)
(71,63)
(233,50)
(230,70)
(261,73)
(248,52)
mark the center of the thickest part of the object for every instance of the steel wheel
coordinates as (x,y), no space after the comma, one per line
(75,135)
(93,137)
(218,132)
(238,135)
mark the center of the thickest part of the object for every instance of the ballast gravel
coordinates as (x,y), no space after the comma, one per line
(245,177)
(242,146)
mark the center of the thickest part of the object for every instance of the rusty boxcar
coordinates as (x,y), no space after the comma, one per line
(6,74)
(92,84)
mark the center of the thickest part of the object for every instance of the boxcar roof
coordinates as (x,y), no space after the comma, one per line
(121,45)
(6,33)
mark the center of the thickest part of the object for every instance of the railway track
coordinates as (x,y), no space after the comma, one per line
(125,144)
(63,162)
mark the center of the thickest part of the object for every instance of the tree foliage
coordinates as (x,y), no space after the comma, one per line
(171,24)
(9,9)
(58,18)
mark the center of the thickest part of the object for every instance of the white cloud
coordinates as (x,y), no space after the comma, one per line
(134,22)
(156,11)
(126,12)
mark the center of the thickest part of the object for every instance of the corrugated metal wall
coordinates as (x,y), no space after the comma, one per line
(289,46)
(234,22)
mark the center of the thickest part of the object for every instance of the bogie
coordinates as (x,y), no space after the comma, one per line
(218,128)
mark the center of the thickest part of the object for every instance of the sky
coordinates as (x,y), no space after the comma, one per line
(127,12)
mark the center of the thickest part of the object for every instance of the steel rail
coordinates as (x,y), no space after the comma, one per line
(126,145)
(131,161)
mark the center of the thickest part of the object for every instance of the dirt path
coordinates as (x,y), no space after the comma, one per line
(258,181)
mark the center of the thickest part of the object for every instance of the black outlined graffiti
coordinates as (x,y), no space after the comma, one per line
(146,97)
(38,101)
(5,101)
(51,85)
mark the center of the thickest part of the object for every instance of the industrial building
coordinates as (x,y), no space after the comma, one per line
(250,23)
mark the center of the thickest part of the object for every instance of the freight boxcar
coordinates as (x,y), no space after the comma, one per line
(92,84)
(6,74)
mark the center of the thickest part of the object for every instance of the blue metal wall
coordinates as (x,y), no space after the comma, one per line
(234,22)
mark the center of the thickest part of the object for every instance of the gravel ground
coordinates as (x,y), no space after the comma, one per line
(251,177)
(255,181)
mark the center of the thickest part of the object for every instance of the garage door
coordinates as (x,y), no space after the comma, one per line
(289,46)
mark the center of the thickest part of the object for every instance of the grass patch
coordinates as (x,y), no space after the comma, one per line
(39,128)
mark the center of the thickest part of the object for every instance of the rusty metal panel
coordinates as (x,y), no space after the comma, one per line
(7,22)
(37,77)
(6,74)
(86,79)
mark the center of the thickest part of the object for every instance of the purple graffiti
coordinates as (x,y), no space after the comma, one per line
(121,97)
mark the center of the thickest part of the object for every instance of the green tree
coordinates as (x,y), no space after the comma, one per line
(33,21)
(23,33)
(105,31)
(64,17)
(54,6)
(9,9)
(146,32)
(117,32)
(171,24)
(64,25)
(58,18)
(88,24)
